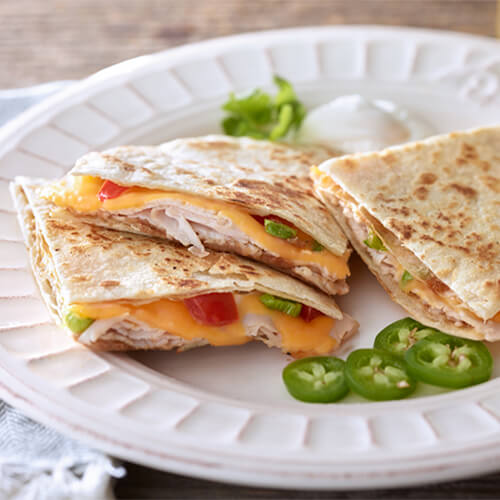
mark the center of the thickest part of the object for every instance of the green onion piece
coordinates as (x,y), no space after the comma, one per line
(77,324)
(405,278)
(317,247)
(279,230)
(283,305)
(373,241)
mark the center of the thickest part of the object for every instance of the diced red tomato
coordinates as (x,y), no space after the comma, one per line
(214,309)
(275,218)
(309,313)
(110,190)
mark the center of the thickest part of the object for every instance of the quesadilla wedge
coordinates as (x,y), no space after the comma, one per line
(122,291)
(252,198)
(425,218)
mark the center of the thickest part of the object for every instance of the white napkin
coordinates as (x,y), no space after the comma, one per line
(37,463)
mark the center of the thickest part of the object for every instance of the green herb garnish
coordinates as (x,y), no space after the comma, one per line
(77,324)
(261,116)
(283,305)
(317,247)
(279,230)
(373,241)
(405,278)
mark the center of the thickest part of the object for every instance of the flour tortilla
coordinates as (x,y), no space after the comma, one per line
(411,303)
(260,176)
(440,199)
(75,262)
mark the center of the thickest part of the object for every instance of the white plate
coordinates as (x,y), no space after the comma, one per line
(223,413)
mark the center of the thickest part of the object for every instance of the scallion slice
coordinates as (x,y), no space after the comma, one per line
(283,305)
(279,230)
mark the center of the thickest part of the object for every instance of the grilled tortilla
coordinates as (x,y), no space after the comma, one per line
(133,288)
(434,206)
(208,193)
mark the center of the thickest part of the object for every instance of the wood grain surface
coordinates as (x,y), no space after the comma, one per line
(142,483)
(42,40)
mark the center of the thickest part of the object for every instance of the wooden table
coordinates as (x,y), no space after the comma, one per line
(43,40)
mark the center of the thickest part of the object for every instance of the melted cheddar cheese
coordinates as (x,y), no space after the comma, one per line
(415,285)
(173,317)
(421,289)
(82,196)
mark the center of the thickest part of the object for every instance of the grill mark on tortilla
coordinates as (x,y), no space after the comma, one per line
(486,251)
(421,192)
(109,283)
(262,187)
(465,190)
(405,230)
(389,158)
(491,182)
(469,151)
(436,285)
(427,178)
(127,167)
(63,227)
(485,166)
(400,210)
(77,278)
(444,217)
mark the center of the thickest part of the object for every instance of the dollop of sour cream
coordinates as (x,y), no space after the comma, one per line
(354,124)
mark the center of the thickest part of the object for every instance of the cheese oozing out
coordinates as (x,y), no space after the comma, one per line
(174,318)
(81,195)
(425,292)
(416,286)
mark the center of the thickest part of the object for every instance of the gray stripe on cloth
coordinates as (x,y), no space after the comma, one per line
(37,462)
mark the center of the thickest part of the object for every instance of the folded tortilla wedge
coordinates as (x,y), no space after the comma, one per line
(425,218)
(121,291)
(252,198)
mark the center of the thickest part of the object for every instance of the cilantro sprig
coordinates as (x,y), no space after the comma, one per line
(262,116)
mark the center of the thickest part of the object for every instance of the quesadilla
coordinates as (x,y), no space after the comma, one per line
(425,218)
(120,291)
(252,198)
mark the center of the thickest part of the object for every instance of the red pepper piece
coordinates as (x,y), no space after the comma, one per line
(110,190)
(309,313)
(214,309)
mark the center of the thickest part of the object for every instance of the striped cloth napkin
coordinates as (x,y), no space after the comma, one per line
(37,462)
